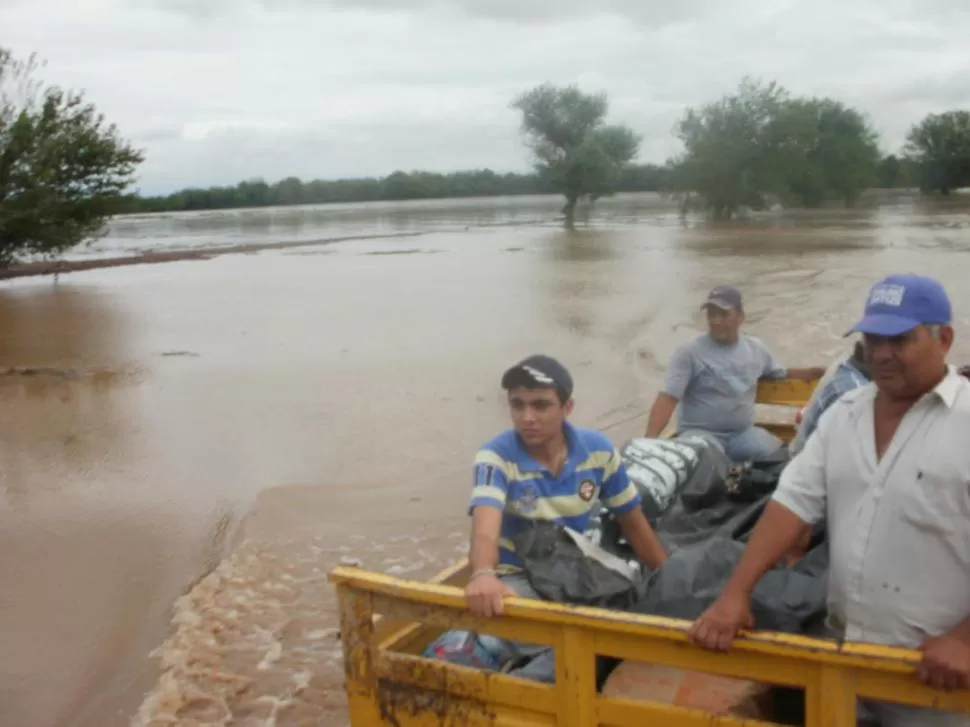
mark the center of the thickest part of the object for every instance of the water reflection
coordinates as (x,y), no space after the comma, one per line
(138,233)
(582,245)
(58,430)
(62,324)
(61,363)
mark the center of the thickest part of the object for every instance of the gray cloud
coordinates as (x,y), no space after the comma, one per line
(220,90)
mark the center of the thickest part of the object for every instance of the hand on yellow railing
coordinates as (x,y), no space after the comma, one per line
(485,596)
(946,662)
(720,623)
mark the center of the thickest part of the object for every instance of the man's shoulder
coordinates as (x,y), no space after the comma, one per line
(961,398)
(754,342)
(594,440)
(504,445)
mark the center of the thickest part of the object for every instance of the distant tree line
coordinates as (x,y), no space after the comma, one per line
(752,148)
(64,170)
(397,186)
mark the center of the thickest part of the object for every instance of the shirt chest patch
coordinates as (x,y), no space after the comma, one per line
(587,490)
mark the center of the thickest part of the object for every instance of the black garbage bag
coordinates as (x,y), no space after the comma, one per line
(785,599)
(566,567)
(721,499)
(691,469)
(661,468)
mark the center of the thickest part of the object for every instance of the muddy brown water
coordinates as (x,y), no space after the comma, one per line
(260,418)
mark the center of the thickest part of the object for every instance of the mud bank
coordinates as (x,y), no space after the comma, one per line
(60,267)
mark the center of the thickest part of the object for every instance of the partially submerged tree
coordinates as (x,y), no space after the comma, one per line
(759,145)
(63,169)
(833,155)
(575,150)
(726,144)
(940,146)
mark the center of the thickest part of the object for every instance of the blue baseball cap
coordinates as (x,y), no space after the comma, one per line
(899,303)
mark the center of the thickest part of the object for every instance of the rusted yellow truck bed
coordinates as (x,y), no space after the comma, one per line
(386,621)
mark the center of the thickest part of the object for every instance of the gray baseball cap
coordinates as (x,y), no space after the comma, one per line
(725,297)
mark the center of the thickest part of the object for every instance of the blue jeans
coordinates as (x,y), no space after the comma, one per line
(752,443)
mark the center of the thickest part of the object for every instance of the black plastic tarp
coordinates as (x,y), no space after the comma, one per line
(561,571)
(785,599)
(704,532)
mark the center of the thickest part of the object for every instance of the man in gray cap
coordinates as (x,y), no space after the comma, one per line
(714,378)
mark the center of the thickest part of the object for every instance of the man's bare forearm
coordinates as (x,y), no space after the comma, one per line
(642,538)
(483,550)
(962,630)
(810,374)
(776,533)
(660,413)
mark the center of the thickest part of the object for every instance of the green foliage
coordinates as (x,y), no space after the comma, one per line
(940,146)
(62,168)
(759,145)
(397,186)
(729,146)
(834,153)
(897,173)
(573,149)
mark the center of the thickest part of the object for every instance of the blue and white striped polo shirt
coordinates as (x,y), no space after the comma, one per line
(507,477)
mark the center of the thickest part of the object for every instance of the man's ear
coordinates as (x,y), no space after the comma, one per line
(569,406)
(947,334)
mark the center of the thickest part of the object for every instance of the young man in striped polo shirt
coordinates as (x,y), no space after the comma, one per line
(544,468)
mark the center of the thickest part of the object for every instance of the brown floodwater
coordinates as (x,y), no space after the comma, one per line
(189,447)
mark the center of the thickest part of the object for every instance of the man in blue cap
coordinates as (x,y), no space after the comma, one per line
(889,467)
(714,379)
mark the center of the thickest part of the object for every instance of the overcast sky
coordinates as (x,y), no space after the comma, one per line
(216,91)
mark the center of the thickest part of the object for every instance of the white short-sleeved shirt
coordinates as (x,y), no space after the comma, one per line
(899,528)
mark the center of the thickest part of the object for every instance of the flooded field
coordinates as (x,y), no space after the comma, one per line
(189,447)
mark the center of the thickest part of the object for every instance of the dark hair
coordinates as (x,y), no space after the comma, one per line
(520,379)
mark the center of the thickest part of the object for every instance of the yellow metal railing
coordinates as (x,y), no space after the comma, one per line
(784,392)
(387,685)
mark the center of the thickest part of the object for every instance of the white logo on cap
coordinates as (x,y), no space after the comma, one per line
(538,375)
(886,294)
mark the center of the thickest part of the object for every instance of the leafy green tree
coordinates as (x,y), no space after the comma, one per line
(63,169)
(759,144)
(727,158)
(897,173)
(940,146)
(574,149)
(833,152)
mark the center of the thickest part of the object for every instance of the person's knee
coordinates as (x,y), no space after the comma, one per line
(755,443)
(709,438)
